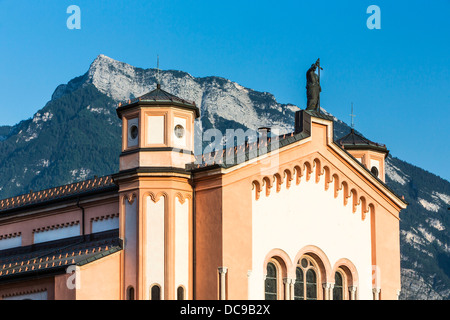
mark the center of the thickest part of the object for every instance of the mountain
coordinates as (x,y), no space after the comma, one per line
(4,132)
(77,134)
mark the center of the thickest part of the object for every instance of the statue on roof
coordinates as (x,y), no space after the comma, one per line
(313,88)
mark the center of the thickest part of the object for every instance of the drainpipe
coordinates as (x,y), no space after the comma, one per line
(82,216)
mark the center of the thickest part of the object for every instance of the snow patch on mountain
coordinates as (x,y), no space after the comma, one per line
(437,224)
(98,110)
(428,205)
(80,174)
(441,196)
(46,116)
(44,163)
(395,174)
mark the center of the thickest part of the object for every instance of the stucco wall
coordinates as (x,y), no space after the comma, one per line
(307,215)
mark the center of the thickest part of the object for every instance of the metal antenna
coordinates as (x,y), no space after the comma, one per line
(353,116)
(158,83)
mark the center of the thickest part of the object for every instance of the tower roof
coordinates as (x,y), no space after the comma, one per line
(354,141)
(158,96)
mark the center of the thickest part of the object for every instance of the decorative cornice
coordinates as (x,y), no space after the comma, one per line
(10,235)
(21,293)
(105,217)
(56,226)
(322,168)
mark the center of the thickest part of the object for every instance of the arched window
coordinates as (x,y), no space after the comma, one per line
(338,290)
(180,293)
(305,286)
(271,283)
(374,171)
(299,287)
(130,293)
(311,285)
(155,292)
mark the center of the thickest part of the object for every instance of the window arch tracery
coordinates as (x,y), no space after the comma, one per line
(307,279)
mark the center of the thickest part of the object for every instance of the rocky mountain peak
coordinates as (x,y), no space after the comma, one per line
(118,80)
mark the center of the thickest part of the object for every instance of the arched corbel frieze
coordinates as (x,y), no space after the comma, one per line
(364,207)
(278,178)
(298,174)
(317,169)
(371,208)
(308,169)
(328,178)
(321,167)
(346,191)
(288,177)
(355,199)
(256,186)
(337,185)
(268,183)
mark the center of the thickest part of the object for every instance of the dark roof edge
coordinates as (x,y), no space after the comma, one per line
(368,171)
(63,199)
(192,107)
(247,154)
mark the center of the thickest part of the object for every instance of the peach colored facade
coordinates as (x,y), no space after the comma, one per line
(186,230)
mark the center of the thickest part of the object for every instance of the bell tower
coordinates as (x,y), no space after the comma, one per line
(371,154)
(156,196)
(157,131)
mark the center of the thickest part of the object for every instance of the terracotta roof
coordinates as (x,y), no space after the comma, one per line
(57,255)
(58,193)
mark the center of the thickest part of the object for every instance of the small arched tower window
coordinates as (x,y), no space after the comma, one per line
(130,293)
(155,292)
(180,293)
(374,171)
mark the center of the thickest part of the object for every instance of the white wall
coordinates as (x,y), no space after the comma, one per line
(155,244)
(155,130)
(180,142)
(56,234)
(304,215)
(12,242)
(132,142)
(375,163)
(130,244)
(182,245)
(109,223)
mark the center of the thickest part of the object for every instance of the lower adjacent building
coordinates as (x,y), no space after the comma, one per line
(291,217)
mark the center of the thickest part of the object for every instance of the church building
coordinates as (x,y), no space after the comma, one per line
(297,216)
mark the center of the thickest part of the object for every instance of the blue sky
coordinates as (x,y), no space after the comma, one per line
(397,77)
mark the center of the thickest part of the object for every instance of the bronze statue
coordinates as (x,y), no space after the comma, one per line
(313,87)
